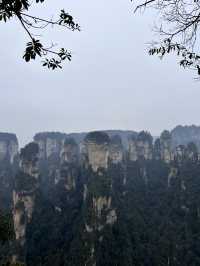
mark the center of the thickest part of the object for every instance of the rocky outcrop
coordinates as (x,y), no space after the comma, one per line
(23,211)
(183,135)
(69,164)
(8,166)
(116,150)
(123,134)
(141,146)
(182,153)
(157,150)
(100,211)
(132,152)
(98,198)
(166,146)
(70,151)
(111,217)
(101,203)
(26,185)
(50,143)
(192,151)
(102,214)
(97,150)
(164,150)
(172,175)
(8,147)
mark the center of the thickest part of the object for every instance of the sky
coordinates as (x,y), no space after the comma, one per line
(111,83)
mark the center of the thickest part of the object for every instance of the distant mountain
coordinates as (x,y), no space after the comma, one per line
(182,135)
(78,137)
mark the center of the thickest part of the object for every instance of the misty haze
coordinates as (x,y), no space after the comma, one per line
(100,133)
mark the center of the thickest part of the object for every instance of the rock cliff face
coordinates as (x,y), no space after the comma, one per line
(8,165)
(132,152)
(192,151)
(116,150)
(141,146)
(97,149)
(8,147)
(99,211)
(166,146)
(183,153)
(50,143)
(69,164)
(180,153)
(183,135)
(123,134)
(157,150)
(26,185)
(70,151)
(93,196)
(164,149)
(102,214)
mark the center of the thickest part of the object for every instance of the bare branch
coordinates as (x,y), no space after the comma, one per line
(180,21)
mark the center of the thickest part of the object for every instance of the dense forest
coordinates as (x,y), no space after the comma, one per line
(99,202)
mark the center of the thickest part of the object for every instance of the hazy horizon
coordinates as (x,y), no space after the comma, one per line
(21,143)
(111,82)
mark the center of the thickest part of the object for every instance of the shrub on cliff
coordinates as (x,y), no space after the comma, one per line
(29,152)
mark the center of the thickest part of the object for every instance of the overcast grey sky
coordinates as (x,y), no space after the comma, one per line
(111,82)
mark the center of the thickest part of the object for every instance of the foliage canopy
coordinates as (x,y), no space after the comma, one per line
(19,9)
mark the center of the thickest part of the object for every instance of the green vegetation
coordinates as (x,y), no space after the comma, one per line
(158,218)
(6,227)
(142,213)
(145,136)
(165,135)
(29,152)
(25,182)
(116,139)
(32,25)
(70,141)
(98,137)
